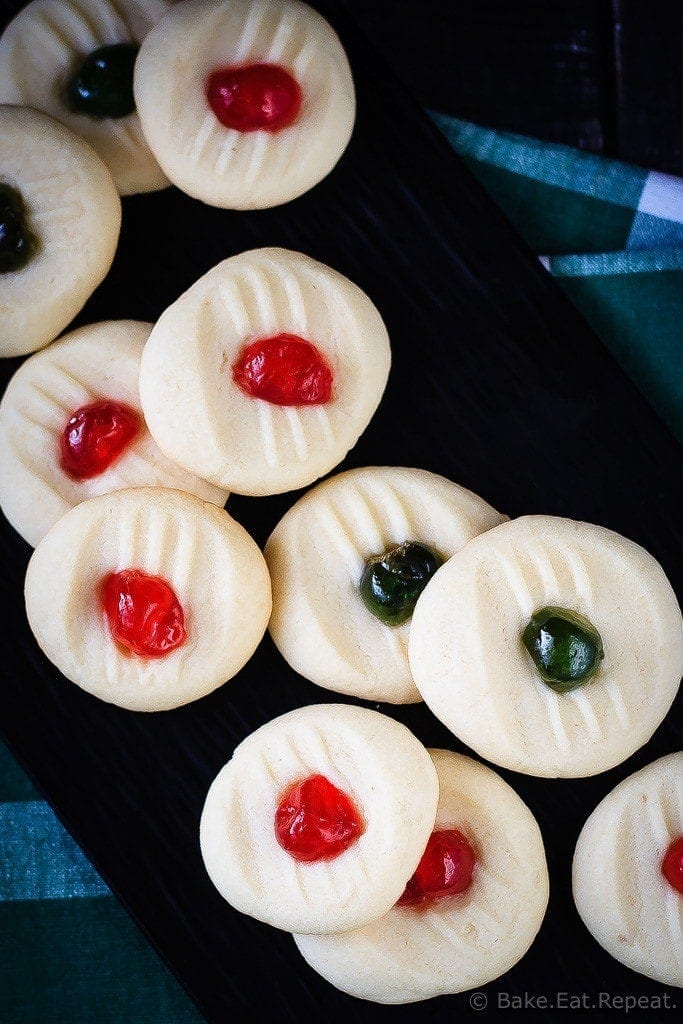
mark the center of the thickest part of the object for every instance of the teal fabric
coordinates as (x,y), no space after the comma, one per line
(612,236)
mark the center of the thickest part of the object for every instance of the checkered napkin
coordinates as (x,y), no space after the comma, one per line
(612,235)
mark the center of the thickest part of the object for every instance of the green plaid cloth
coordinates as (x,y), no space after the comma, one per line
(612,235)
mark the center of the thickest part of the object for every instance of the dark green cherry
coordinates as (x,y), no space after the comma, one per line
(565,647)
(392,582)
(103,84)
(17,241)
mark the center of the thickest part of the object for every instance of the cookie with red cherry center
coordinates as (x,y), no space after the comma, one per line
(245,103)
(71,427)
(265,372)
(148,597)
(333,803)
(468,913)
(627,874)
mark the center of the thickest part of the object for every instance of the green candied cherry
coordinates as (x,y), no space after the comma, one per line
(392,582)
(17,241)
(566,648)
(103,84)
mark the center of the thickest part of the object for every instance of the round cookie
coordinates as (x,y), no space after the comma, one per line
(542,598)
(265,372)
(73,59)
(462,938)
(92,372)
(628,854)
(320,552)
(60,217)
(319,818)
(245,104)
(148,597)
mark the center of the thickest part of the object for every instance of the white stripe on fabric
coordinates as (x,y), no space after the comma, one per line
(662,196)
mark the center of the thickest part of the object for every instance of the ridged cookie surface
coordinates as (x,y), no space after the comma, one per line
(456,942)
(201,418)
(74,212)
(214,568)
(376,762)
(619,889)
(42,48)
(222,165)
(316,556)
(473,670)
(94,363)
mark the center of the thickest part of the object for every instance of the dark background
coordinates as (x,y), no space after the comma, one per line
(604,75)
(497,382)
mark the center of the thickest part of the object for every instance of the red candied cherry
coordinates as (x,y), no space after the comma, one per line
(445,869)
(672,865)
(316,821)
(259,97)
(143,613)
(95,436)
(284,370)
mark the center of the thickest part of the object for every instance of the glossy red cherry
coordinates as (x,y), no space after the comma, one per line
(445,869)
(316,821)
(284,370)
(260,97)
(672,865)
(95,436)
(143,613)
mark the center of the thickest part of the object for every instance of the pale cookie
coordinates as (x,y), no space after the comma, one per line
(245,103)
(147,598)
(471,911)
(604,627)
(60,217)
(265,372)
(627,874)
(320,818)
(71,427)
(341,616)
(73,59)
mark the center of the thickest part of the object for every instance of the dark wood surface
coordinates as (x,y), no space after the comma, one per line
(497,383)
(604,75)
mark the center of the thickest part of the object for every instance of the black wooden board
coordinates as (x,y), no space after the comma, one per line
(603,75)
(499,384)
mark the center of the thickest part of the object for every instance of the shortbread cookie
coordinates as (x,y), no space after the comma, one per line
(628,871)
(73,59)
(549,646)
(148,597)
(60,217)
(245,103)
(71,427)
(470,911)
(348,563)
(265,372)
(320,818)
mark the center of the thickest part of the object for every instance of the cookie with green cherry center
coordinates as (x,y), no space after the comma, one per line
(74,60)
(60,217)
(549,646)
(349,561)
